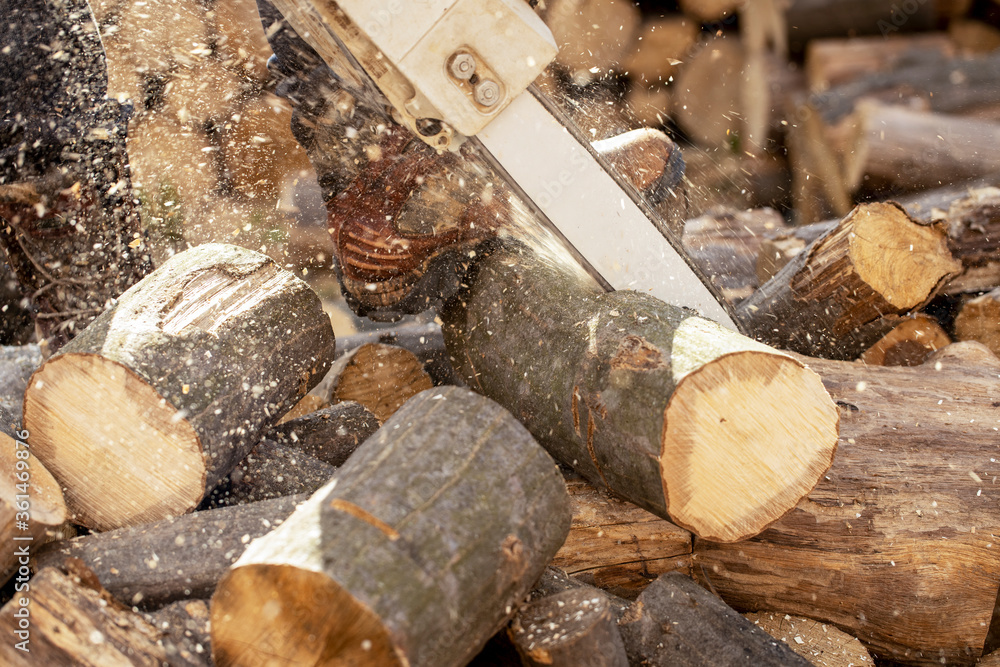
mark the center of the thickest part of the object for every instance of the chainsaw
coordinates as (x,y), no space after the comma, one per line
(458,71)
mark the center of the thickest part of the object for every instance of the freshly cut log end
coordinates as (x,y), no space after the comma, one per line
(93,407)
(167,390)
(718,480)
(276,602)
(902,261)
(909,344)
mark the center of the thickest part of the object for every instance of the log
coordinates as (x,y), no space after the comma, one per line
(403,558)
(17,363)
(568,629)
(896,544)
(306,405)
(198,360)
(845,292)
(978,319)
(422,339)
(616,546)
(269,471)
(909,344)
(184,628)
(70,620)
(973,223)
(904,149)
(676,622)
(330,435)
(174,559)
(380,377)
(833,62)
(31,506)
(814,19)
(970,212)
(933,76)
(822,645)
(640,397)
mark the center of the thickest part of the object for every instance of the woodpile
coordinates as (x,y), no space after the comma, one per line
(547,473)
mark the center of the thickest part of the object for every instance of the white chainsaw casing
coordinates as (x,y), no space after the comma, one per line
(509,41)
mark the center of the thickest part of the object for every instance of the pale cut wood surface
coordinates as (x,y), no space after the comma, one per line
(909,344)
(380,377)
(821,644)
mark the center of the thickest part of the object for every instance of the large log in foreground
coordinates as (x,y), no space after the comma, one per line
(666,409)
(416,552)
(897,544)
(848,289)
(168,390)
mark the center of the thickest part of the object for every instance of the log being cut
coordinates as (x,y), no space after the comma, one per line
(173,385)
(416,553)
(897,543)
(673,412)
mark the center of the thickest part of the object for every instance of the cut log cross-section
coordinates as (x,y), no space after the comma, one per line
(415,554)
(847,290)
(666,409)
(170,388)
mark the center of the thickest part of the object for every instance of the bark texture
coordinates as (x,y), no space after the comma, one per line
(197,361)
(896,543)
(173,559)
(404,557)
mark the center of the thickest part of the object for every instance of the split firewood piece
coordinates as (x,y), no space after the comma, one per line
(31,506)
(17,363)
(652,162)
(172,386)
(574,628)
(979,319)
(269,471)
(185,636)
(70,620)
(725,244)
(379,377)
(821,644)
(420,496)
(836,299)
(667,410)
(864,549)
(330,435)
(616,546)
(422,339)
(173,559)
(907,149)
(833,62)
(677,622)
(909,344)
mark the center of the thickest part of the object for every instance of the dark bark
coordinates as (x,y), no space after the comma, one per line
(173,559)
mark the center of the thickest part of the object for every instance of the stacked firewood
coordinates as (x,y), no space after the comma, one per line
(546,474)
